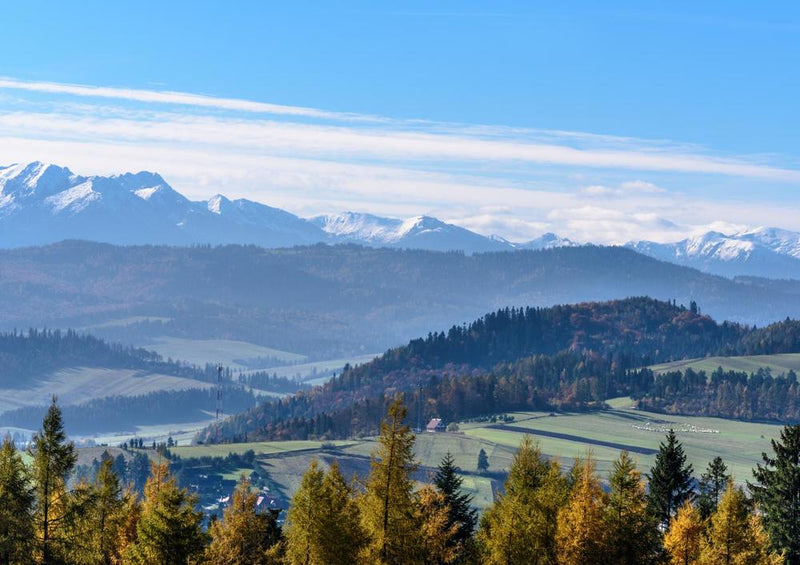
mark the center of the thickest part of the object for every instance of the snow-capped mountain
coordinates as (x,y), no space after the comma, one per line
(420,232)
(547,241)
(763,252)
(42,203)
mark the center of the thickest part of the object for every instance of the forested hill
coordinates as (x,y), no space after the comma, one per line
(28,356)
(333,302)
(646,329)
(566,356)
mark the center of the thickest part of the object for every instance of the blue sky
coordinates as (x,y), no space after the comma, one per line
(602,121)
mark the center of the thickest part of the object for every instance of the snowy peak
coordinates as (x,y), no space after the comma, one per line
(765,252)
(418,232)
(547,240)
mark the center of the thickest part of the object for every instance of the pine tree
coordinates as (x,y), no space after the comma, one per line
(631,530)
(16,505)
(712,485)
(670,479)
(388,503)
(169,531)
(461,513)
(777,493)
(682,541)
(53,459)
(521,526)
(483,461)
(244,536)
(732,534)
(580,537)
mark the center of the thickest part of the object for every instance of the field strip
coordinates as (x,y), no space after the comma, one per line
(578,439)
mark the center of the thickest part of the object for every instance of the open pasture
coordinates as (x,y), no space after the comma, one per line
(569,435)
(81,384)
(777,364)
(214,351)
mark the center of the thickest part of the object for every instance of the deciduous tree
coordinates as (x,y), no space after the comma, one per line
(580,537)
(16,505)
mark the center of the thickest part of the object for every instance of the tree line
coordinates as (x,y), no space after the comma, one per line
(566,357)
(544,515)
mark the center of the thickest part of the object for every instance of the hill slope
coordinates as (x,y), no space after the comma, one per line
(572,356)
(332,302)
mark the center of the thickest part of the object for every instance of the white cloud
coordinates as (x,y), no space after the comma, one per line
(513,182)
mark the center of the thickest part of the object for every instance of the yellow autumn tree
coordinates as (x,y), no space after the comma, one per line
(682,541)
(521,526)
(735,535)
(581,534)
(244,536)
(438,533)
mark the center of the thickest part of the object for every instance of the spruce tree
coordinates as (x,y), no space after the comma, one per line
(244,536)
(461,513)
(712,485)
(53,459)
(16,505)
(169,531)
(777,493)
(670,479)
(388,503)
(631,531)
(483,461)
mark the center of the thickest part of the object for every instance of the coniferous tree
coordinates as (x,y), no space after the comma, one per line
(53,459)
(521,526)
(733,534)
(682,540)
(438,545)
(670,479)
(343,537)
(461,513)
(99,519)
(712,485)
(304,521)
(777,493)
(483,461)
(169,531)
(244,536)
(581,532)
(388,503)
(16,505)
(631,530)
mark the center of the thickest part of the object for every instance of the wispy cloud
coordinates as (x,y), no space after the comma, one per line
(513,181)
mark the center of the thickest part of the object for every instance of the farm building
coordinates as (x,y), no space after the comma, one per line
(435,425)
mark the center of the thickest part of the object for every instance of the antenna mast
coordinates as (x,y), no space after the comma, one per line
(219,404)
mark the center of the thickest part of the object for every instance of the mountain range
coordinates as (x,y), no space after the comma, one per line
(42,203)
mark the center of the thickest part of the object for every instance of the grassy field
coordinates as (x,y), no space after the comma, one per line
(317,372)
(740,444)
(563,436)
(123,322)
(778,364)
(202,351)
(81,384)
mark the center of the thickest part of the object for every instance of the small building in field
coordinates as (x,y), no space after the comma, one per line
(435,425)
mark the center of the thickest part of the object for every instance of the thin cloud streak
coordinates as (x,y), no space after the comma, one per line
(514,182)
